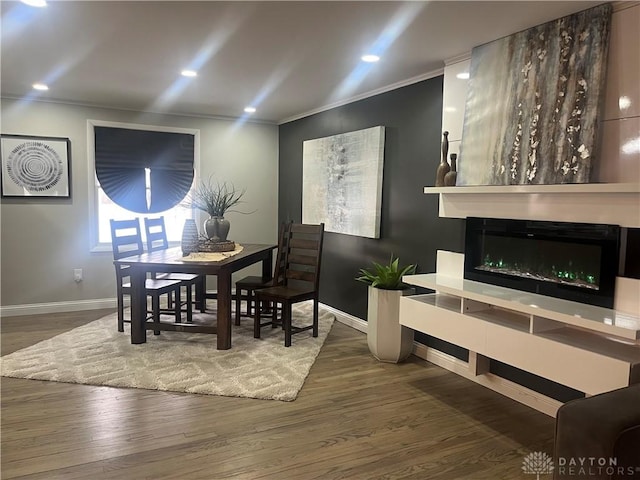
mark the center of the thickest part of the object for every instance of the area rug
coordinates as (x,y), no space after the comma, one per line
(97,354)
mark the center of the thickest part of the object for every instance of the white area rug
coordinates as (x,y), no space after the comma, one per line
(97,354)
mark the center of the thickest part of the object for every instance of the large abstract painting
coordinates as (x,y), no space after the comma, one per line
(533,103)
(342,182)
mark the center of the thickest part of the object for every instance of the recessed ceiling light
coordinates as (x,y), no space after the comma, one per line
(370,58)
(35,3)
(250,109)
(189,73)
(40,86)
(463,76)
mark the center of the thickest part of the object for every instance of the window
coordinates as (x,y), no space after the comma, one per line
(136,195)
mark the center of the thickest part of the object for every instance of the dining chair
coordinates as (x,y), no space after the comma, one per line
(300,266)
(251,283)
(157,240)
(126,241)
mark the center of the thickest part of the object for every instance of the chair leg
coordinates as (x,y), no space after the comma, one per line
(286,319)
(238,301)
(250,301)
(256,324)
(315,317)
(189,303)
(177,308)
(120,312)
(274,315)
(170,300)
(155,311)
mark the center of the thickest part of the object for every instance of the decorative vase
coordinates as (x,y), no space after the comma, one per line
(444,167)
(450,177)
(217,229)
(211,229)
(189,242)
(223,228)
(388,340)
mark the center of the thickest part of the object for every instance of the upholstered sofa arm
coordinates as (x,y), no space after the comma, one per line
(595,430)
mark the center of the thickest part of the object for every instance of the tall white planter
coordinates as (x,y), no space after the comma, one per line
(388,340)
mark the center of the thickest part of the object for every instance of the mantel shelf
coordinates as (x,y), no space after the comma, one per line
(606,203)
(623,188)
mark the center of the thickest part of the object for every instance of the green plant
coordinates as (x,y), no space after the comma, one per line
(387,277)
(214,198)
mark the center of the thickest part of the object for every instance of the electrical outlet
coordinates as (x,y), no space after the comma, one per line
(77,275)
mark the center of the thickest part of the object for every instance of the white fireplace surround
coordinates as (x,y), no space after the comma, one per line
(606,203)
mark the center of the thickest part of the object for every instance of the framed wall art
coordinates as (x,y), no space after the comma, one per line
(35,167)
(534,103)
(342,182)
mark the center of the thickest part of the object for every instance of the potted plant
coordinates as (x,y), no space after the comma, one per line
(388,340)
(215,199)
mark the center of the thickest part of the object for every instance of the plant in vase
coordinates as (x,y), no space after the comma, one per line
(216,199)
(388,340)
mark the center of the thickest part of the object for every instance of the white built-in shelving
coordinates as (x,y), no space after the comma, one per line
(588,348)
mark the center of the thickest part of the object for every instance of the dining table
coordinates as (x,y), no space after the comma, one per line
(172,260)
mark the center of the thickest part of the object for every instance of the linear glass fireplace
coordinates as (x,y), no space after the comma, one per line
(574,261)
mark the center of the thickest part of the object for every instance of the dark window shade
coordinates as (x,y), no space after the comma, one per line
(121,156)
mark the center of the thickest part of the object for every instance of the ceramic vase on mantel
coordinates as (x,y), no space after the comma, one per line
(217,229)
(189,241)
(452,175)
(444,167)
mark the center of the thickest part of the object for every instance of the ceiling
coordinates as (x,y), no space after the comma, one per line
(287,59)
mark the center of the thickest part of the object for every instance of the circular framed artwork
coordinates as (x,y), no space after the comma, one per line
(35,166)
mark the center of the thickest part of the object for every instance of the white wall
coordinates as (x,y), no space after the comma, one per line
(44,240)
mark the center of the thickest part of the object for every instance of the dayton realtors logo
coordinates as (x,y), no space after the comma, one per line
(537,463)
(587,466)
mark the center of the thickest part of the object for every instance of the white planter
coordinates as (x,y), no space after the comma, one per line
(388,340)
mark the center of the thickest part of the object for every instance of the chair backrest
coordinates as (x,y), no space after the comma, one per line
(302,250)
(126,238)
(156,234)
(283,242)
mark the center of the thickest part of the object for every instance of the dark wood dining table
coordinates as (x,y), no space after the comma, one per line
(171,260)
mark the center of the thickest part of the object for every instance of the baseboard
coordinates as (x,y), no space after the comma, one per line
(57,307)
(347,319)
(69,306)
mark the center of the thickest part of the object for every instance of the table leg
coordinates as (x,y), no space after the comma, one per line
(138,306)
(224,310)
(201,293)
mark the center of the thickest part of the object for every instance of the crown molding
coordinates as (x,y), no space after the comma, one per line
(372,93)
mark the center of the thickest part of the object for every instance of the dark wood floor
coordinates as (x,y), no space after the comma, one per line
(355,418)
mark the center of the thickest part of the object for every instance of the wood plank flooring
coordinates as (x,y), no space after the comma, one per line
(355,418)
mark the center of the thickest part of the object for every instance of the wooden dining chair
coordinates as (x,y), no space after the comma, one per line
(251,283)
(126,241)
(157,240)
(301,279)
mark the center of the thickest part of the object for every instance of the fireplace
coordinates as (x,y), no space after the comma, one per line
(573,261)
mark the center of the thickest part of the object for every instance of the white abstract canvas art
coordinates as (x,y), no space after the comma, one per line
(342,182)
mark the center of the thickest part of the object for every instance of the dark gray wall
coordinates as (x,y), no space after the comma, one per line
(410,226)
